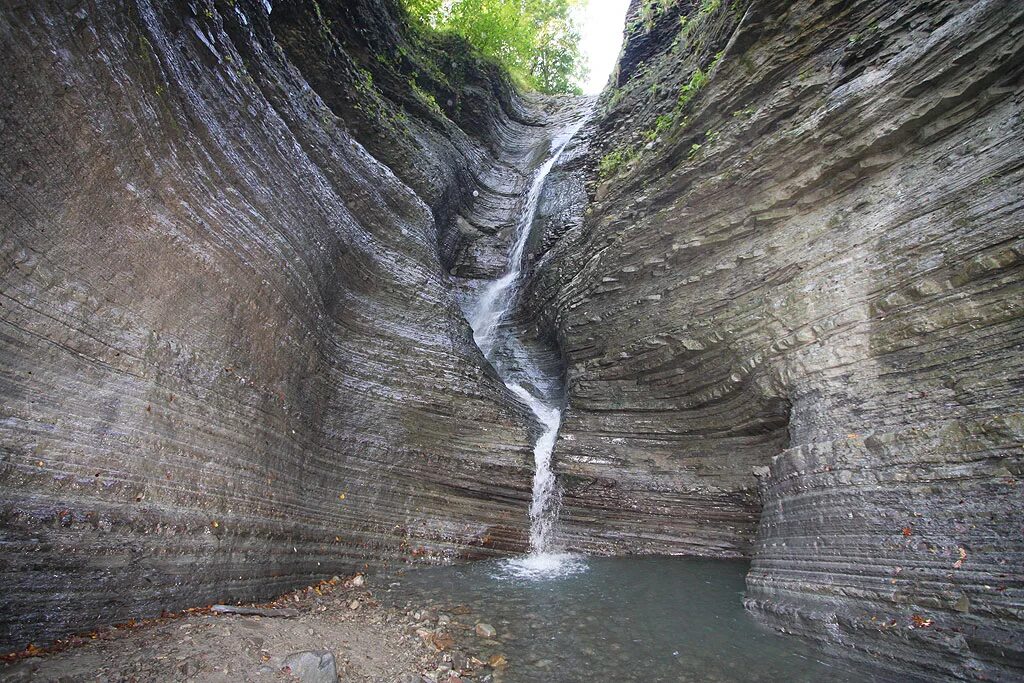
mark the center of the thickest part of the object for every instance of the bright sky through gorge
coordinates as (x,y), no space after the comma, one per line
(601,23)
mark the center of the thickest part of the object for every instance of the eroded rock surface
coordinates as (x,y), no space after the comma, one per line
(794,284)
(232,361)
(781,269)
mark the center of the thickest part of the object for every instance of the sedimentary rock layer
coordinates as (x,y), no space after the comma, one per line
(794,281)
(230,358)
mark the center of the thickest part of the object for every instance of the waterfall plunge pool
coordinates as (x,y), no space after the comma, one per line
(603,619)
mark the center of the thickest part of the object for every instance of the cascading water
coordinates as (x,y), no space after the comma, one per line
(525,377)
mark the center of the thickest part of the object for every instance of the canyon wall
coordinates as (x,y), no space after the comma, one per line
(230,358)
(784,269)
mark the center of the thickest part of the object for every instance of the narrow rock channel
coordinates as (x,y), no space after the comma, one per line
(535,383)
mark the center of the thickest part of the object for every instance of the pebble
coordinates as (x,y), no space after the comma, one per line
(312,667)
(485,630)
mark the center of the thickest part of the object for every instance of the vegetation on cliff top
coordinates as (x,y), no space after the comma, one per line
(535,40)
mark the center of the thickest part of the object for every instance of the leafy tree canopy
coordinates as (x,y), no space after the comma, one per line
(535,40)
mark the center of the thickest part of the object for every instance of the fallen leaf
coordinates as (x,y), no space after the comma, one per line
(921,622)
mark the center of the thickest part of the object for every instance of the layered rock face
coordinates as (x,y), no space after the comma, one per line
(231,358)
(785,272)
(781,268)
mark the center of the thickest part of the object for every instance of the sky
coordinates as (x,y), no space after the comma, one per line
(601,23)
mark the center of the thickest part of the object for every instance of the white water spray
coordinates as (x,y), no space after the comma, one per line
(490,308)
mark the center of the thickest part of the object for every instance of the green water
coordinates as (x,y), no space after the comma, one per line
(621,619)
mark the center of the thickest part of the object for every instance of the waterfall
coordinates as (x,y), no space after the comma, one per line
(513,362)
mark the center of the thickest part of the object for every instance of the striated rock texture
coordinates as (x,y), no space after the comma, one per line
(781,268)
(230,357)
(784,269)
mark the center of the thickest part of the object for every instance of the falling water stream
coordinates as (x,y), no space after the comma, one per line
(570,618)
(524,376)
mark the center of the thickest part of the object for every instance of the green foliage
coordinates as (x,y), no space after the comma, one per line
(427,97)
(661,124)
(535,40)
(611,163)
(698,79)
(716,60)
(364,82)
(650,10)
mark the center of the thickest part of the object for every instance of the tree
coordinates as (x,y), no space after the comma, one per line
(535,40)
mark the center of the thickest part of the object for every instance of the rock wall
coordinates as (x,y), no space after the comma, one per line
(784,269)
(231,361)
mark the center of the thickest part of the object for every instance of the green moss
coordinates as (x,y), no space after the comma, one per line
(324,23)
(650,10)
(145,49)
(744,113)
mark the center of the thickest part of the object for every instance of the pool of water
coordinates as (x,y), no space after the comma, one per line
(618,619)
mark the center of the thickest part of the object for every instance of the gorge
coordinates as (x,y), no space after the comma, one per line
(291,290)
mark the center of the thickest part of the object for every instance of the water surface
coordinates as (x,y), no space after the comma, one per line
(620,619)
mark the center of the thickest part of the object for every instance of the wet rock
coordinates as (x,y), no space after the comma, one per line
(302,325)
(486,630)
(460,662)
(311,666)
(751,319)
